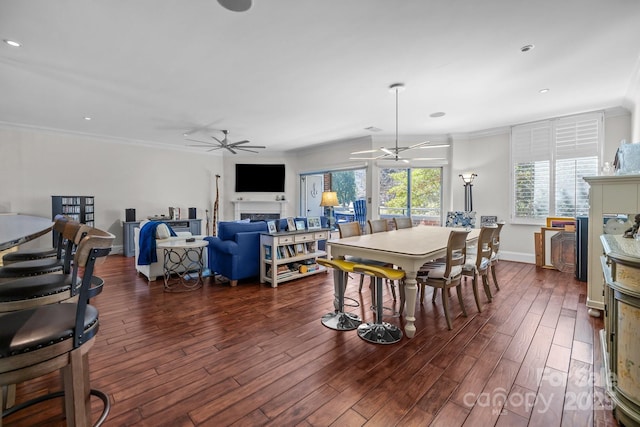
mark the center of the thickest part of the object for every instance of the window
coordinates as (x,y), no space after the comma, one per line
(414,192)
(549,160)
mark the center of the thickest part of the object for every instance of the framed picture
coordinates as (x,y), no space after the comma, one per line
(291,225)
(488,220)
(547,234)
(562,222)
(300,225)
(271,225)
(313,223)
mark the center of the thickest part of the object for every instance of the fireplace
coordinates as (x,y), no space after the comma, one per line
(259,216)
(259,208)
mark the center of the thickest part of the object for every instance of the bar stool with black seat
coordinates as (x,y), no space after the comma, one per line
(339,319)
(38,253)
(379,331)
(62,262)
(40,340)
(448,274)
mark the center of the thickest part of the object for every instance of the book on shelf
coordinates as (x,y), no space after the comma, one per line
(267,252)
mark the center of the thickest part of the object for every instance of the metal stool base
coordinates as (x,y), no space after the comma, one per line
(380,333)
(341,321)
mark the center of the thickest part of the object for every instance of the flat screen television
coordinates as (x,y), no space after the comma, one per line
(259,178)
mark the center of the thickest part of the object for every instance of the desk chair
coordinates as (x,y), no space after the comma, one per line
(402,222)
(62,261)
(378,331)
(446,275)
(339,320)
(31,254)
(40,340)
(479,264)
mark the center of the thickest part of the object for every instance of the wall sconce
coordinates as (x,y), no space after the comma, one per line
(329,199)
(467,178)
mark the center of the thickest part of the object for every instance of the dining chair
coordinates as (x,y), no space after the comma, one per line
(62,261)
(495,248)
(57,337)
(478,265)
(448,274)
(403,222)
(36,253)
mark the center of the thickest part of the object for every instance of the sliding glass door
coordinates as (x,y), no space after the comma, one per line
(413,192)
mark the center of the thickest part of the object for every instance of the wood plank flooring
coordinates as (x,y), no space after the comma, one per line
(257,356)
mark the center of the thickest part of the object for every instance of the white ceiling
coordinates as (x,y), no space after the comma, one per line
(294,73)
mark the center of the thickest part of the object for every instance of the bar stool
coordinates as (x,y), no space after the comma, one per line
(339,320)
(379,332)
(31,254)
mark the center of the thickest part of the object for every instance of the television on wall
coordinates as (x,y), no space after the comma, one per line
(259,178)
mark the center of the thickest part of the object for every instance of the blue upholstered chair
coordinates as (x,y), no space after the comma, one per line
(360,212)
(235,252)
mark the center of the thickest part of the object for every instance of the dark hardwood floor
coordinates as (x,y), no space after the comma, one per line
(257,356)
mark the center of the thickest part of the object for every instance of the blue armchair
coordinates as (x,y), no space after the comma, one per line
(235,252)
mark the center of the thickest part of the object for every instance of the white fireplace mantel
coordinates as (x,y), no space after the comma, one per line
(259,206)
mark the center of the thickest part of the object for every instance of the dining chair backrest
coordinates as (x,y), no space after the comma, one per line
(348,229)
(456,251)
(377,225)
(495,243)
(403,222)
(485,240)
(360,212)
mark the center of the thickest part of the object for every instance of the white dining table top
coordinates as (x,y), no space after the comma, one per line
(419,242)
(16,229)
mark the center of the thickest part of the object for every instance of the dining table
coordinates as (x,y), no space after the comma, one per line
(16,229)
(407,248)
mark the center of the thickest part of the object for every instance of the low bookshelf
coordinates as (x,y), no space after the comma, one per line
(290,255)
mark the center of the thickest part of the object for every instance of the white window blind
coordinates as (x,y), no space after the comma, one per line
(549,160)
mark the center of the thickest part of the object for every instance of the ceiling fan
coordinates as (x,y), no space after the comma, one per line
(393,153)
(218,144)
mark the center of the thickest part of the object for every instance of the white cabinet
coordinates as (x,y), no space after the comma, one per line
(290,255)
(608,196)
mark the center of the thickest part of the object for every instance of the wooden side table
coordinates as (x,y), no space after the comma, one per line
(183,264)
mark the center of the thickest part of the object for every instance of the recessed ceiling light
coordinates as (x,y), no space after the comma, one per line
(87,118)
(12,43)
(437,114)
(545,90)
(526,48)
(373,129)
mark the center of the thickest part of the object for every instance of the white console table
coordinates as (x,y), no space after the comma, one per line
(284,249)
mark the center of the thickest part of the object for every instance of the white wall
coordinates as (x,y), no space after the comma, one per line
(35,165)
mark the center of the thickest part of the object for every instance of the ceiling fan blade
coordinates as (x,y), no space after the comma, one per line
(201,142)
(230,149)
(202,146)
(387,151)
(250,146)
(434,146)
(364,151)
(233,144)
(244,149)
(214,149)
(219,142)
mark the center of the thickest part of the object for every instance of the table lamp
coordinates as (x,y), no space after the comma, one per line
(330,199)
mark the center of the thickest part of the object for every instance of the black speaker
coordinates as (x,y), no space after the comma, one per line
(192,213)
(130,215)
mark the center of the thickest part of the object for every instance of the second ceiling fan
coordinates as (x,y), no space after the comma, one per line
(219,144)
(393,153)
